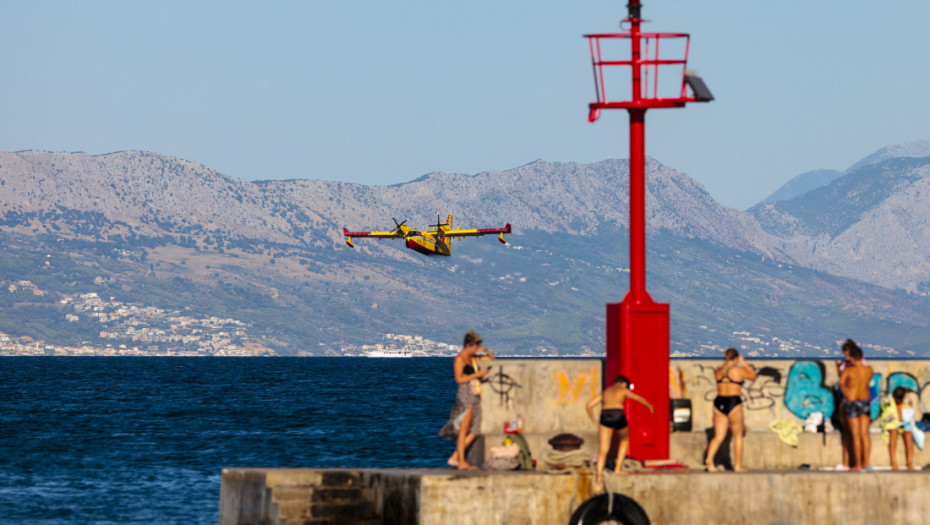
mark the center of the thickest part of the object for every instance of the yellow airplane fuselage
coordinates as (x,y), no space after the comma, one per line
(428,244)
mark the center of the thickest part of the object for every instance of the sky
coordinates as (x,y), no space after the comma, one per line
(379,93)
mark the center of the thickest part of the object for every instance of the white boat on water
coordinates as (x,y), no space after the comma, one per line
(383,351)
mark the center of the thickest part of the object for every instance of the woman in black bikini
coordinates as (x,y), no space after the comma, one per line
(728,410)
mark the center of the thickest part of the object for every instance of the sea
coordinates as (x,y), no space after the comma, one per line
(101,440)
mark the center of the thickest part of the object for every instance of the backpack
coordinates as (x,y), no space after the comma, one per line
(524,458)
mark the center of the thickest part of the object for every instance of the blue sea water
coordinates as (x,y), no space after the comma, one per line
(143,439)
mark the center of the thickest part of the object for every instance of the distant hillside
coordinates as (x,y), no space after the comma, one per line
(814,179)
(915,149)
(153,230)
(870,224)
(802,184)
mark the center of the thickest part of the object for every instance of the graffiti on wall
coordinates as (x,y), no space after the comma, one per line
(503,385)
(801,386)
(805,391)
(762,394)
(676,388)
(571,390)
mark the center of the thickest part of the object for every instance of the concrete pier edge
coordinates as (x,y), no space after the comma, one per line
(434,497)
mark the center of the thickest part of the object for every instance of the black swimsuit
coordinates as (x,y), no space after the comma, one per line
(613,418)
(726,404)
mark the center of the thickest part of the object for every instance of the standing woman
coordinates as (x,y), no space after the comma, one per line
(465,419)
(728,412)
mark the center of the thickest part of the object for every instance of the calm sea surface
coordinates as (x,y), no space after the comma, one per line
(126,439)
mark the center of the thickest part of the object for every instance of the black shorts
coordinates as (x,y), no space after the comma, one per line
(613,418)
(859,407)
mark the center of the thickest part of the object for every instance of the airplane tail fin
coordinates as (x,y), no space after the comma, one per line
(345,231)
(501,236)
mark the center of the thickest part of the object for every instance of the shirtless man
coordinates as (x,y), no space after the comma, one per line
(854,384)
(612,418)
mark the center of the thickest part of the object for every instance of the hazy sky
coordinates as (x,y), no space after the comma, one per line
(382,92)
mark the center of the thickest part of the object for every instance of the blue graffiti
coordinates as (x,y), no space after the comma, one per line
(875,396)
(805,392)
(902,379)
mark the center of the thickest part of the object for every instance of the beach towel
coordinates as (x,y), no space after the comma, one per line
(787,431)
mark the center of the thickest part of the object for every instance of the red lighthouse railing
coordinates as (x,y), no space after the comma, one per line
(651,63)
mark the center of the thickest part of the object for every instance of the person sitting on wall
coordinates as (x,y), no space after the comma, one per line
(898,418)
(728,410)
(613,419)
(854,383)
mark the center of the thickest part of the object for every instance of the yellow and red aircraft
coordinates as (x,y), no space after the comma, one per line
(436,241)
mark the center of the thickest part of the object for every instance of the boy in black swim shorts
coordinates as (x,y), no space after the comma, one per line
(612,419)
(854,384)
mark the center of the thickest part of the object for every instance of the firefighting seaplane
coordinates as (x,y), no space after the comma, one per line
(436,241)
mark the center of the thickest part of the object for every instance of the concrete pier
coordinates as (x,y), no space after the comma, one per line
(437,497)
(786,484)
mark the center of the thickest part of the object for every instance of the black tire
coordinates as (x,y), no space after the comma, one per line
(599,510)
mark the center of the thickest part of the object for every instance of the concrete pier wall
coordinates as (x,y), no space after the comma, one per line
(368,497)
(550,394)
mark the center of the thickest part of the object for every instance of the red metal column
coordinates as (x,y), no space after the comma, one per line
(637,168)
(638,293)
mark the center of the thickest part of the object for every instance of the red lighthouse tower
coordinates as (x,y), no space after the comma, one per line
(638,327)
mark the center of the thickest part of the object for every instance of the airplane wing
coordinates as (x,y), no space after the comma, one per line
(477,232)
(396,234)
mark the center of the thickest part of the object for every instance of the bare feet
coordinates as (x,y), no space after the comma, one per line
(739,469)
(466,466)
(710,467)
(621,473)
(453,460)
(598,487)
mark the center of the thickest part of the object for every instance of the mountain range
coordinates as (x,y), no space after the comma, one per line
(786,278)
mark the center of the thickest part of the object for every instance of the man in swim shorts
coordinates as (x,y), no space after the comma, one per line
(612,419)
(854,384)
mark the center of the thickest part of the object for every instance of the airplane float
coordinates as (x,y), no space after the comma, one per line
(436,241)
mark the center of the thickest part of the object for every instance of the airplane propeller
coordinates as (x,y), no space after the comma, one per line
(398,224)
(438,225)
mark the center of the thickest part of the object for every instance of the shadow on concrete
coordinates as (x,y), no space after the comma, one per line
(722,457)
(474,454)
